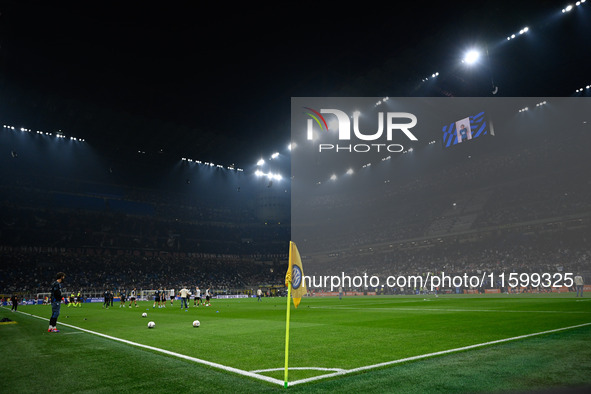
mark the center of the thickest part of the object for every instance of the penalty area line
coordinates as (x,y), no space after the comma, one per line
(170,353)
(422,356)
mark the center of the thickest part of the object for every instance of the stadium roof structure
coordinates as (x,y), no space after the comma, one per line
(214,84)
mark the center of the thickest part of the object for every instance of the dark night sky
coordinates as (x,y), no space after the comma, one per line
(221,77)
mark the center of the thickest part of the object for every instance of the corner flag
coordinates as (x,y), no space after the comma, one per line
(294,280)
(295,275)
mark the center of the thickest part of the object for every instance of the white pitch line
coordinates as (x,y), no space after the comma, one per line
(298,369)
(384,364)
(170,353)
(445,310)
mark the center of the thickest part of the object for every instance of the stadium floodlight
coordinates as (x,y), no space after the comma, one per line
(275,155)
(471,57)
(333,177)
(349,171)
(260,162)
(272,177)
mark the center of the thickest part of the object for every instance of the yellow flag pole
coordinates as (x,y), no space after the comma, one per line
(287,331)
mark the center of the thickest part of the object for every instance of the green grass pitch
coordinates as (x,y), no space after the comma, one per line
(465,343)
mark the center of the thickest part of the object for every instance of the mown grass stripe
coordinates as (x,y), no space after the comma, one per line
(168,352)
(422,356)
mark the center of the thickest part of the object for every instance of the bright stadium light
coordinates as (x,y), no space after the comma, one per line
(260,162)
(471,57)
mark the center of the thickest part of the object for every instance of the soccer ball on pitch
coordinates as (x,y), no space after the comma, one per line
(151,324)
(144,314)
(196,323)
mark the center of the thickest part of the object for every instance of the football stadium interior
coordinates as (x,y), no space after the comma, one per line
(390,235)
